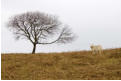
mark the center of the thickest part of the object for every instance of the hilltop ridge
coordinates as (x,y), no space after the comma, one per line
(81,65)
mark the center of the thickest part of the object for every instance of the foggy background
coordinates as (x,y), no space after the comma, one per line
(93,21)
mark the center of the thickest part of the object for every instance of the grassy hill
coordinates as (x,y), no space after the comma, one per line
(62,66)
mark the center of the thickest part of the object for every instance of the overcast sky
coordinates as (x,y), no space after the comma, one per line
(93,21)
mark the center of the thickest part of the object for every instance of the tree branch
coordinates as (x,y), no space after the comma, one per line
(54,40)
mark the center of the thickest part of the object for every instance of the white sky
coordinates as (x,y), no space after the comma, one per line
(94,21)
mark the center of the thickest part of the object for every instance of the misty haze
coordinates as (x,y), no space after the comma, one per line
(61,40)
(95,22)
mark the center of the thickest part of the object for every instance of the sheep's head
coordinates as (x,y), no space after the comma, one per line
(92,46)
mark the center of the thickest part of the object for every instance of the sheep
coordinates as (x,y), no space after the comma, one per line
(96,49)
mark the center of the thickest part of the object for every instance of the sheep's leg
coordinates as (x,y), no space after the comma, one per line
(94,51)
(99,52)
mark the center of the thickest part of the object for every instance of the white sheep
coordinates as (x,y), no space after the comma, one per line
(96,49)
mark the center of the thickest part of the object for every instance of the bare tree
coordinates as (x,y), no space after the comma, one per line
(38,28)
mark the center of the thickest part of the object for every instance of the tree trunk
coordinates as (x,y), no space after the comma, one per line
(34,48)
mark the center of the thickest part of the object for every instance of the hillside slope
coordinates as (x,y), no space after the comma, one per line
(63,66)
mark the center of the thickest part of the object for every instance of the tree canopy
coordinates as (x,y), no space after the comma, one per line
(39,27)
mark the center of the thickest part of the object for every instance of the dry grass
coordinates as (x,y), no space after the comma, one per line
(63,66)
